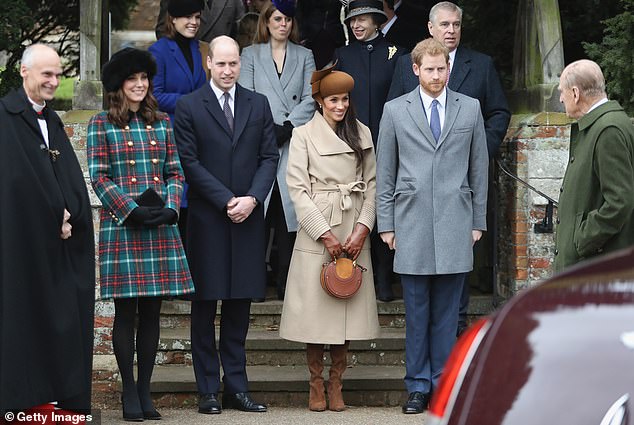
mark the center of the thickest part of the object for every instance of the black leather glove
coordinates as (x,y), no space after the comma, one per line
(283,133)
(162,216)
(139,215)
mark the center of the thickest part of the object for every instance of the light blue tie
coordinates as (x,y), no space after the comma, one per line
(434,122)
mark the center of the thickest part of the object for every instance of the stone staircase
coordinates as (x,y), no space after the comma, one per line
(276,367)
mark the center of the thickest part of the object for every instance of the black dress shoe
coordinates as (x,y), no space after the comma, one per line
(257,300)
(152,415)
(386,298)
(241,401)
(209,404)
(416,403)
(460,330)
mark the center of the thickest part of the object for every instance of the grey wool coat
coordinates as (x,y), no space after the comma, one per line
(289,97)
(432,194)
(329,193)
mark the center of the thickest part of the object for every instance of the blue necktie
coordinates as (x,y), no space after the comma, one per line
(434,122)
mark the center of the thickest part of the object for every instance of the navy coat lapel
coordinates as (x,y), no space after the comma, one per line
(213,107)
(417,114)
(459,69)
(242,111)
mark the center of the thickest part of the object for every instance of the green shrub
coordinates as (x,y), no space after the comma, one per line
(615,55)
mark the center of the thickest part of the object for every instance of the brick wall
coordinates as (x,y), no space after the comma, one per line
(536,150)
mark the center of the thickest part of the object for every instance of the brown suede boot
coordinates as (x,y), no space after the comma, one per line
(317,396)
(339,362)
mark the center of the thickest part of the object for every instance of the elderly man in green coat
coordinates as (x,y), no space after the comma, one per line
(596,204)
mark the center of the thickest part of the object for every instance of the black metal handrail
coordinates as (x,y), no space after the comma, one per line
(546,225)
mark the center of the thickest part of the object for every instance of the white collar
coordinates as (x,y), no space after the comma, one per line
(442,98)
(219,92)
(36,106)
(597,104)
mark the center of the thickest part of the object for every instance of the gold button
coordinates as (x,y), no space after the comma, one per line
(130,144)
(154,161)
(156,179)
(132,162)
(127,127)
(133,179)
(116,219)
(153,142)
(149,127)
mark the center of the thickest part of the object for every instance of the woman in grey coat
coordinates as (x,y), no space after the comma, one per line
(280,69)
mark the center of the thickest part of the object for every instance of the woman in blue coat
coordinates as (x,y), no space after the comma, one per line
(280,69)
(179,68)
(371,60)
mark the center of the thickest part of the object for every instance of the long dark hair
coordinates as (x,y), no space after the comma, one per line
(348,130)
(119,108)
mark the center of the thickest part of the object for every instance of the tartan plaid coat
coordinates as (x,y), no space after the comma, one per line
(136,261)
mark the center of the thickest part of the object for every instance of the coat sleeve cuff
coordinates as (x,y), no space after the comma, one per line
(315,224)
(367,215)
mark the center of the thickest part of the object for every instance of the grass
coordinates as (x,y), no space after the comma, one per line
(65,89)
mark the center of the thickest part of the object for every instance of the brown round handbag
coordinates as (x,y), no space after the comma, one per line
(342,277)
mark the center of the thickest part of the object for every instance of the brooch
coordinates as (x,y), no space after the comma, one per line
(391,51)
(54,153)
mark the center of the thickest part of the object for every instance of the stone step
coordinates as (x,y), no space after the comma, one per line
(175,386)
(265,347)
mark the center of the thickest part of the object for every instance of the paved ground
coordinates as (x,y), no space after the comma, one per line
(280,416)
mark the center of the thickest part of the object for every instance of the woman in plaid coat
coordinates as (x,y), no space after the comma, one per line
(136,173)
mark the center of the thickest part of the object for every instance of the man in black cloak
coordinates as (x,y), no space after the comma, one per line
(47,273)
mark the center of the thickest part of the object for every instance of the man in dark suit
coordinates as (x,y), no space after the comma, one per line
(405,29)
(473,74)
(226,142)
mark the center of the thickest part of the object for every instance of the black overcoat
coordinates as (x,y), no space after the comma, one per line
(226,259)
(47,284)
(371,64)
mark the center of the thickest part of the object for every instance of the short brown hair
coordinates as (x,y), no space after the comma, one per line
(262,34)
(429,47)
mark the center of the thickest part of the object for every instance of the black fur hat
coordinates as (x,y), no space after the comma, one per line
(180,8)
(124,63)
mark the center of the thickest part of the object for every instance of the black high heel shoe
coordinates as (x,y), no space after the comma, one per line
(134,416)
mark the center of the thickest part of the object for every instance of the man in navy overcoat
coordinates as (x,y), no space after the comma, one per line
(226,142)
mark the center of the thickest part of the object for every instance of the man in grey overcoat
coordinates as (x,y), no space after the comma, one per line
(432,167)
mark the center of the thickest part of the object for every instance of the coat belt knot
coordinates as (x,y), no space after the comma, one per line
(343,192)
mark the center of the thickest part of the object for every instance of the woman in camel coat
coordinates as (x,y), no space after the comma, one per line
(331,179)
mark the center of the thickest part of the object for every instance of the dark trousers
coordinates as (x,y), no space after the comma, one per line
(431,313)
(283,239)
(234,325)
(382,265)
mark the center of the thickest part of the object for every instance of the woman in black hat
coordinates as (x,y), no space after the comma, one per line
(137,176)
(371,59)
(179,67)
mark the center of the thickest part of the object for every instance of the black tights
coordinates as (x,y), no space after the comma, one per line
(136,397)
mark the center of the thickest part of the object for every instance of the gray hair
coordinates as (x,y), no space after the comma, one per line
(29,54)
(443,5)
(586,75)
